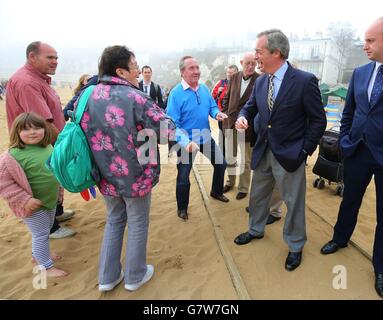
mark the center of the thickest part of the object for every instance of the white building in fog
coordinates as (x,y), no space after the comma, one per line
(318,56)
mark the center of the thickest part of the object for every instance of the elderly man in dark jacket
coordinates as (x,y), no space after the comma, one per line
(238,92)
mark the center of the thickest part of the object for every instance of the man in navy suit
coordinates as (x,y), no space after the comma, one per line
(151,89)
(361,141)
(291,122)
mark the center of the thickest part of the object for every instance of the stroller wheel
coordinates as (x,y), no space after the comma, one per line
(315,183)
(321,184)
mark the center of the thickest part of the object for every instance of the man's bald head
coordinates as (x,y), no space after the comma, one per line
(248,64)
(42,57)
(373,41)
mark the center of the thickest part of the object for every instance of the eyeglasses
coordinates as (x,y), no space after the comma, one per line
(198,97)
(133,66)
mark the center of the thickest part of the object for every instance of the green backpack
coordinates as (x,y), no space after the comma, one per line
(71,160)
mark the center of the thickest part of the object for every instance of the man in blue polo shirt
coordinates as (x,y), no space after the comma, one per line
(190,105)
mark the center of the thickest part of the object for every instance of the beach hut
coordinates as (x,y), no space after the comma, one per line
(334,107)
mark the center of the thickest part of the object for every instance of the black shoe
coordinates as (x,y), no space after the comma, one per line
(245,238)
(271,219)
(220,198)
(379,284)
(226,188)
(241,195)
(330,247)
(183,214)
(293,260)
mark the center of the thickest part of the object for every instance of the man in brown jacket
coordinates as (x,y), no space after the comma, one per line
(239,91)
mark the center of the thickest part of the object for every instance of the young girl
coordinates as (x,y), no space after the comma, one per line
(81,83)
(31,190)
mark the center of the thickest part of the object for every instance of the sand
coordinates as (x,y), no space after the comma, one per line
(196,259)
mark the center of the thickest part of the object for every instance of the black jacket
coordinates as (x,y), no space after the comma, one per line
(155,93)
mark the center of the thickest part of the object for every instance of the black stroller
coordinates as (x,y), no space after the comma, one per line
(329,164)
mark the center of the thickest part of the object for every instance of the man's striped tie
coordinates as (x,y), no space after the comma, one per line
(270,100)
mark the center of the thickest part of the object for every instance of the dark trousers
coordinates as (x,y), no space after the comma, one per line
(185,163)
(59,212)
(358,171)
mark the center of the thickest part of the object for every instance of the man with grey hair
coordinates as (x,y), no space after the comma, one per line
(238,93)
(190,105)
(361,140)
(291,121)
(28,90)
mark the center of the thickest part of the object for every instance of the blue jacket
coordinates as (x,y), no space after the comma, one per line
(360,120)
(296,123)
(190,110)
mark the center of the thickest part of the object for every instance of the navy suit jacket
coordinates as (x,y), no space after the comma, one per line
(296,123)
(155,93)
(360,120)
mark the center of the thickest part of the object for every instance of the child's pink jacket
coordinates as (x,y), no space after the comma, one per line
(14,185)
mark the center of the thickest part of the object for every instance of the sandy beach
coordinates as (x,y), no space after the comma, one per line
(196,259)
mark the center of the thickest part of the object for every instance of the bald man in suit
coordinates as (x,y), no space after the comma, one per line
(361,141)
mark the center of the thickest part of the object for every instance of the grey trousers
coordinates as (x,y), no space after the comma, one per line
(135,212)
(276,203)
(292,187)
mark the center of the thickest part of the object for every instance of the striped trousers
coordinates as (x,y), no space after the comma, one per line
(40,224)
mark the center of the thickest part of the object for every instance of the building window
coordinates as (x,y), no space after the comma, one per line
(312,68)
(315,52)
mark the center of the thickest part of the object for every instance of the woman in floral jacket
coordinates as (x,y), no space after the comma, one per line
(122,125)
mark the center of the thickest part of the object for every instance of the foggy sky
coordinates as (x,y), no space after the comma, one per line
(163,25)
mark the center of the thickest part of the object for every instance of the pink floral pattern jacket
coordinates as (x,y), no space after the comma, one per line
(117,121)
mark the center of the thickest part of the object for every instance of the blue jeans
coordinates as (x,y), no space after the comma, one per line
(210,150)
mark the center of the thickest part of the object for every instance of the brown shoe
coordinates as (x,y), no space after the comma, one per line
(226,188)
